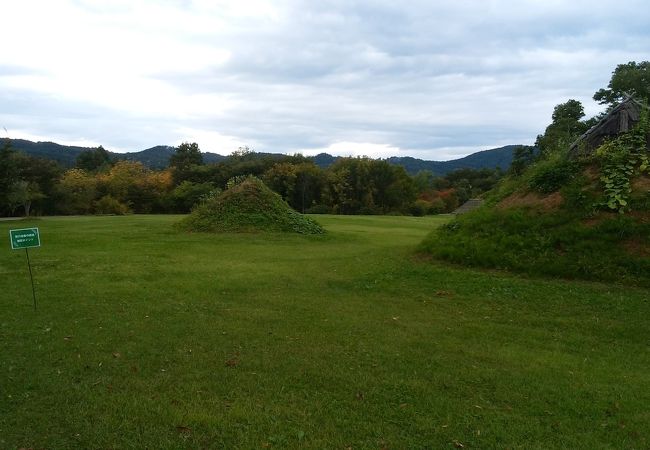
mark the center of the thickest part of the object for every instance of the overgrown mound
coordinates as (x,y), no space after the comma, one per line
(248,206)
(581,216)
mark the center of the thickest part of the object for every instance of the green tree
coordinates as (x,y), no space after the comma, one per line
(423,180)
(565,128)
(93,160)
(134,185)
(77,191)
(23,193)
(310,182)
(627,79)
(281,178)
(187,194)
(522,157)
(186,155)
(8,175)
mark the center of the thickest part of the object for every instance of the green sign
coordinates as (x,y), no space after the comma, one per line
(24,238)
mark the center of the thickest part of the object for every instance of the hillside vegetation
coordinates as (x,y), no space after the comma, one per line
(584,218)
(567,210)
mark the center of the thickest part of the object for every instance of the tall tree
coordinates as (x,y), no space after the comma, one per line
(93,160)
(23,193)
(627,79)
(566,127)
(77,191)
(186,155)
(8,174)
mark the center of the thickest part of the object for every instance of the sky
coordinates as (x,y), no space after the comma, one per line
(431,79)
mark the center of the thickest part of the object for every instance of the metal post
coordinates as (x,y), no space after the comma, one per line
(31,277)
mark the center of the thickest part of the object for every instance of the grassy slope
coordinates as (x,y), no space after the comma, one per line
(146,338)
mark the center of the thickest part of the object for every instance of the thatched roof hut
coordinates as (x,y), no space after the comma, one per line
(618,120)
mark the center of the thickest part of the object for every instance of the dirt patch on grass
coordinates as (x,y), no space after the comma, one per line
(641,183)
(641,216)
(637,247)
(592,173)
(532,200)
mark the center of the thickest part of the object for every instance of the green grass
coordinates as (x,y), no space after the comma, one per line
(149,338)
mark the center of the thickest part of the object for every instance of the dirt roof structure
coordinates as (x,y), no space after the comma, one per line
(617,121)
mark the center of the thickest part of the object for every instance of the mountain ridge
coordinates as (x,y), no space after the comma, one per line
(157,157)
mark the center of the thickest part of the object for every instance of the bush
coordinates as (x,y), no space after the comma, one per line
(110,205)
(549,176)
(420,208)
(319,209)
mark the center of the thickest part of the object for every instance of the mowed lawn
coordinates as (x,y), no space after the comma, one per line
(149,338)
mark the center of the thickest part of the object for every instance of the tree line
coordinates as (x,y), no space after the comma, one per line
(99,185)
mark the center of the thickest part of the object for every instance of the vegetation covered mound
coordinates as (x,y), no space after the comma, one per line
(248,206)
(585,216)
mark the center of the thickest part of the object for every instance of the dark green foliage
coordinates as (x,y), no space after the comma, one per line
(248,206)
(369,186)
(523,156)
(319,209)
(93,160)
(187,194)
(566,126)
(110,205)
(545,244)
(550,175)
(26,181)
(620,159)
(631,79)
(186,155)
(8,174)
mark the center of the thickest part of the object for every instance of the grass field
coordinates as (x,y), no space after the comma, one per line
(149,338)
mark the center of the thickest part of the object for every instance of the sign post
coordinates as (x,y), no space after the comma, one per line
(26,238)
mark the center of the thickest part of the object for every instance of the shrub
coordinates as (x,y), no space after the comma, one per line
(110,205)
(319,209)
(420,207)
(549,176)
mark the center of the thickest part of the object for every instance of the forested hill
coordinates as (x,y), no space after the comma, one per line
(158,157)
(66,155)
(486,159)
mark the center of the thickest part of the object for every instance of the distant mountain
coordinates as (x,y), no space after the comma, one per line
(66,155)
(63,154)
(158,157)
(486,159)
(324,160)
(490,159)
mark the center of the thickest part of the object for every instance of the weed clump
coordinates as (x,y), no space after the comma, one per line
(248,205)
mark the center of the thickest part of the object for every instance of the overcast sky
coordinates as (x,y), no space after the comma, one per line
(430,79)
